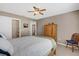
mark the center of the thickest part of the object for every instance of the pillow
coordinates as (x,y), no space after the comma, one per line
(3,36)
(0,36)
(6,46)
(2,52)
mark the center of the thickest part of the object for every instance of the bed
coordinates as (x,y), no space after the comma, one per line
(27,46)
(33,46)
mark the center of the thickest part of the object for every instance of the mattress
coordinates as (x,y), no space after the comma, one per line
(32,46)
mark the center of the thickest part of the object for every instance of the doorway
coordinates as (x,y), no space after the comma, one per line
(33,29)
(15,28)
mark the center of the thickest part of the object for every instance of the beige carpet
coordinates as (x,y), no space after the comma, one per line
(63,51)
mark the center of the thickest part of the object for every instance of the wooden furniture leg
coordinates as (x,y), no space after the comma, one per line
(72,48)
(66,45)
(55,52)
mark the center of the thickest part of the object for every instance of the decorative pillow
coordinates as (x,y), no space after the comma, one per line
(3,36)
(2,52)
(6,46)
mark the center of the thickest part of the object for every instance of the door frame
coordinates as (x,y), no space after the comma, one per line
(19,26)
(33,29)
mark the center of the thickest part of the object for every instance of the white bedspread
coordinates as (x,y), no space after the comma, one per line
(32,46)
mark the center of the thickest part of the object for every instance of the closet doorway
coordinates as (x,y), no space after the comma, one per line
(33,29)
(15,28)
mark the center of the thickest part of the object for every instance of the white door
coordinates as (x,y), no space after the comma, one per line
(15,28)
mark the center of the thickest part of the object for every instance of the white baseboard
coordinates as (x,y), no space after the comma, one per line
(61,44)
(65,45)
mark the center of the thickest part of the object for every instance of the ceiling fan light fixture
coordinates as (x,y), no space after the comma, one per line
(37,11)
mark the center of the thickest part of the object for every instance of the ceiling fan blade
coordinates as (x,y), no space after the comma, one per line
(34,14)
(41,13)
(35,7)
(30,11)
(43,10)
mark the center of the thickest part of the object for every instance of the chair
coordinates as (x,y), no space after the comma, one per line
(74,41)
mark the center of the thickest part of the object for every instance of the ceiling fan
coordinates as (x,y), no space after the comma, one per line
(37,11)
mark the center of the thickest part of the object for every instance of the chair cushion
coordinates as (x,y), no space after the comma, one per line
(71,41)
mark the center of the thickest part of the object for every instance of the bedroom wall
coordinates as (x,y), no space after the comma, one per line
(27,31)
(68,24)
(5,26)
(23,31)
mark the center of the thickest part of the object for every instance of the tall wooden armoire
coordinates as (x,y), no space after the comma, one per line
(50,30)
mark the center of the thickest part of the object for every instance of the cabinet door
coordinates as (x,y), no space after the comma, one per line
(54,33)
(50,30)
(45,30)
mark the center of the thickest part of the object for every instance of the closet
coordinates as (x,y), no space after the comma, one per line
(50,30)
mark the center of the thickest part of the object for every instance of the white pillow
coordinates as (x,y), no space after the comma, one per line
(6,46)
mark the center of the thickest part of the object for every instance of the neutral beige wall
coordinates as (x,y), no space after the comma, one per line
(5,26)
(29,21)
(27,31)
(68,24)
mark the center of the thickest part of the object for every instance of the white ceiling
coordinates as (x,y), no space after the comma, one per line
(52,8)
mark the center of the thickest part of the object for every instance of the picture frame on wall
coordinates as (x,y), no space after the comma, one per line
(25,25)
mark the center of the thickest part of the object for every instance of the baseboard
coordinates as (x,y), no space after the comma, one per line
(65,45)
(61,44)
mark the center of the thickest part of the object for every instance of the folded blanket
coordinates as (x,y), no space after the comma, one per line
(6,47)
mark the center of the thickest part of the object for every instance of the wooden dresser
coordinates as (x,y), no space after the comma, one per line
(50,30)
